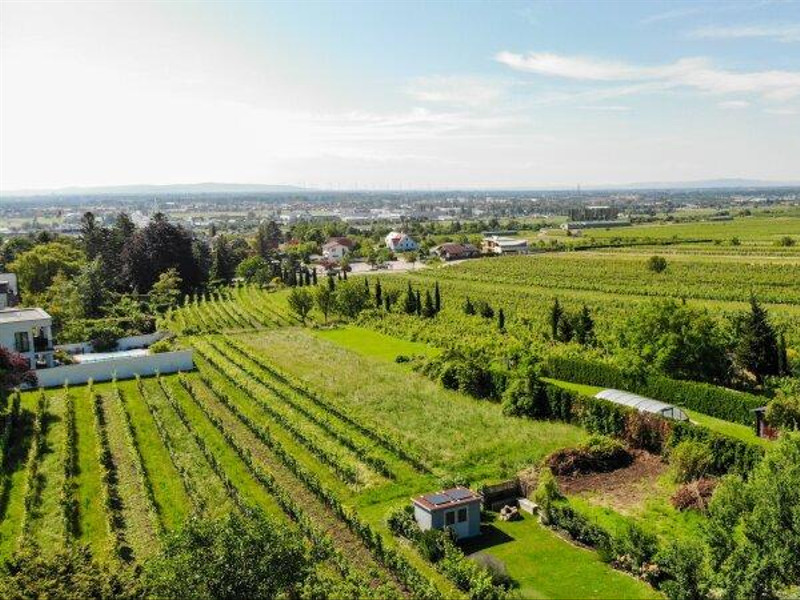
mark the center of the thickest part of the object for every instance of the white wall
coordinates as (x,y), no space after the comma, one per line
(124,367)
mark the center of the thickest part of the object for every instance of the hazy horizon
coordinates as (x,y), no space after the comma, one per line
(413,95)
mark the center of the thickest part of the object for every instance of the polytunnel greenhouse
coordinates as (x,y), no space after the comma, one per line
(643,404)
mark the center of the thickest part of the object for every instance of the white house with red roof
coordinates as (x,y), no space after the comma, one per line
(400,242)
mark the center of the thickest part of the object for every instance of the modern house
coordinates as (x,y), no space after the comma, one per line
(28,331)
(9,291)
(458,509)
(504,245)
(400,242)
(453,251)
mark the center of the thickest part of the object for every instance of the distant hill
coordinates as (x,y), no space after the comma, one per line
(144,190)
(702,184)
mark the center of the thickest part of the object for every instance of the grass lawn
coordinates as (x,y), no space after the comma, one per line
(547,566)
(579,388)
(373,343)
(734,430)
(458,435)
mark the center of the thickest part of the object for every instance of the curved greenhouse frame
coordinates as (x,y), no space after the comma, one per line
(643,404)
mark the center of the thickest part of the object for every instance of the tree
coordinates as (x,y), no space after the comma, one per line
(351,298)
(92,288)
(584,327)
(161,246)
(410,301)
(92,236)
(757,345)
(469,308)
(657,264)
(301,302)
(325,300)
(783,412)
(69,572)
(428,309)
(677,340)
(165,292)
(37,267)
(15,370)
(254,270)
(752,528)
(556,314)
(418,303)
(223,261)
(437,298)
(486,310)
(241,555)
(378,294)
(267,239)
(501,320)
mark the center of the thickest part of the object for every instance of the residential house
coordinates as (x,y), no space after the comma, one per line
(504,245)
(337,248)
(458,509)
(28,331)
(400,242)
(453,251)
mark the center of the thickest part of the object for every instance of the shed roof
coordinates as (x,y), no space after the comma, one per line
(456,496)
(643,404)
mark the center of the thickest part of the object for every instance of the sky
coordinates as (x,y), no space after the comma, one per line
(398,95)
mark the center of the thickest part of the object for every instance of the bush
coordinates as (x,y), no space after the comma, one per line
(104,338)
(495,567)
(694,495)
(727,454)
(646,431)
(635,547)
(683,564)
(690,460)
(784,412)
(599,455)
(657,264)
(163,345)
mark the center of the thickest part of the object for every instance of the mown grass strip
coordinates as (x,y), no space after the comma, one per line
(69,464)
(34,480)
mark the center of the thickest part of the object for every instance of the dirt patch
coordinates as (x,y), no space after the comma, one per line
(620,489)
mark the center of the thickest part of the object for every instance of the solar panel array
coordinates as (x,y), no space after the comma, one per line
(437,499)
(460,494)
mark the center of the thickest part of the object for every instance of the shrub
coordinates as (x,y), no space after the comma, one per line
(646,431)
(635,547)
(727,454)
(690,460)
(784,412)
(657,264)
(163,345)
(694,495)
(104,338)
(599,454)
(432,544)
(684,567)
(495,567)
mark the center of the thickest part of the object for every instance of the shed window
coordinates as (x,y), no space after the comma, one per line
(462,515)
(450,517)
(22,341)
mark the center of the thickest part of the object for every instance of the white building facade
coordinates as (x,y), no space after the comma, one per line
(28,331)
(400,242)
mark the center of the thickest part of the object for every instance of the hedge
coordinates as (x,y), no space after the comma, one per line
(708,399)
(640,430)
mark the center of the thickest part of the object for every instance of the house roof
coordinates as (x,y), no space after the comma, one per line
(334,244)
(457,496)
(20,315)
(344,241)
(455,248)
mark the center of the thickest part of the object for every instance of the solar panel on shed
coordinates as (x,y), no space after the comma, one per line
(459,494)
(437,499)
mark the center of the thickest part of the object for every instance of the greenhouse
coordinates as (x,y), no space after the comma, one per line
(643,404)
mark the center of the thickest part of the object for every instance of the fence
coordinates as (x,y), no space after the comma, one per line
(123,367)
(498,495)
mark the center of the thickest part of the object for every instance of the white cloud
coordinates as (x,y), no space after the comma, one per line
(734,104)
(695,73)
(456,90)
(782,111)
(786,33)
(606,107)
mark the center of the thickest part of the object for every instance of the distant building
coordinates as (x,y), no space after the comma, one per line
(400,242)
(453,251)
(504,245)
(458,509)
(9,291)
(337,248)
(28,331)
(572,225)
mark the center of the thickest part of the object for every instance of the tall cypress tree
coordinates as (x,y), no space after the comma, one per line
(378,294)
(469,307)
(418,303)
(410,302)
(428,310)
(757,347)
(437,298)
(501,320)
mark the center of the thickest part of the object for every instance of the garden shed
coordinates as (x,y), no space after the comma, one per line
(643,404)
(458,509)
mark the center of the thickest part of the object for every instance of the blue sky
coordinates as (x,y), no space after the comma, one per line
(391,95)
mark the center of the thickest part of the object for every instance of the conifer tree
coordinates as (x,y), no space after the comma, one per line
(556,314)
(410,303)
(501,320)
(469,308)
(418,303)
(378,294)
(437,298)
(428,310)
(757,346)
